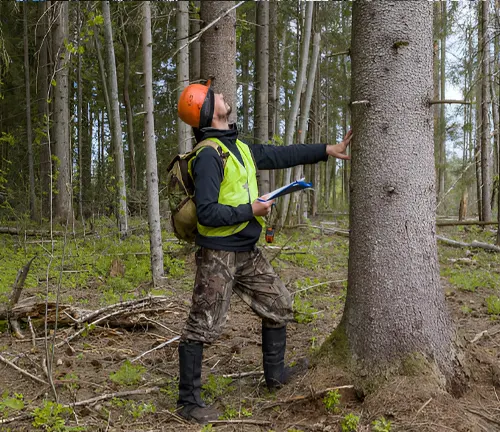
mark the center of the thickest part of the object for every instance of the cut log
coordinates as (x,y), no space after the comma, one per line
(465,222)
(475,244)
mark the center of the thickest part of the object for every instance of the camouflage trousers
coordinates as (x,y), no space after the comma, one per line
(248,274)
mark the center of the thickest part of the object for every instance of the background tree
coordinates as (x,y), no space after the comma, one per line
(151,161)
(63,200)
(183,130)
(116,128)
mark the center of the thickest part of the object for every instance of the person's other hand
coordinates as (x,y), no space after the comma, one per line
(260,207)
(339,150)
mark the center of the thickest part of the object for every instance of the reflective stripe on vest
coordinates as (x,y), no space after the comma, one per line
(239,186)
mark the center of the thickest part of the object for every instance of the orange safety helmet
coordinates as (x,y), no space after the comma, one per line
(196,105)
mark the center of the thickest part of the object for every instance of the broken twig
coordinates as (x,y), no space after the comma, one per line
(22,371)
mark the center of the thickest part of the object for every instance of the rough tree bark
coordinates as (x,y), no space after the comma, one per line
(43,106)
(395,309)
(183,130)
(218,50)
(29,135)
(149,138)
(63,209)
(194,48)
(442,114)
(261,118)
(115,123)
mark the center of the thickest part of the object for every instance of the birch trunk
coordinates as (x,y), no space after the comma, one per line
(115,123)
(128,109)
(294,109)
(150,144)
(395,308)
(183,130)
(485,106)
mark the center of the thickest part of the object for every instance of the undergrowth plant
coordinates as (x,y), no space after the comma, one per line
(332,401)
(8,404)
(381,425)
(128,374)
(52,417)
(350,423)
(215,387)
(493,305)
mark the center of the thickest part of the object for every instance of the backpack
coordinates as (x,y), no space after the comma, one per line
(180,191)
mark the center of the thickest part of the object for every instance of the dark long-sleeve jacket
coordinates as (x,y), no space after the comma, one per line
(208,174)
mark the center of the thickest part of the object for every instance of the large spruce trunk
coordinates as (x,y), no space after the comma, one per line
(395,308)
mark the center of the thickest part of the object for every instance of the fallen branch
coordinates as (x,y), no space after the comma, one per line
(313,395)
(22,371)
(491,332)
(466,222)
(31,233)
(22,274)
(474,244)
(156,348)
(254,422)
(319,284)
(243,374)
(151,299)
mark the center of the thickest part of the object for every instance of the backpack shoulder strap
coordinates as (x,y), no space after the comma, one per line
(215,146)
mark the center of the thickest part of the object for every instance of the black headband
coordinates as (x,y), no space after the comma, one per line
(207,109)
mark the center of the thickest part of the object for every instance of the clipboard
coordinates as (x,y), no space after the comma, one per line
(295,186)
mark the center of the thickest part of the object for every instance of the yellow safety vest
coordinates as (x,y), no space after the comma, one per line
(239,186)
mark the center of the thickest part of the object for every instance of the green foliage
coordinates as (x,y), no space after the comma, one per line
(381,425)
(71,381)
(332,401)
(349,423)
(10,404)
(215,387)
(472,280)
(303,310)
(128,374)
(133,408)
(51,417)
(232,413)
(207,428)
(493,305)
(171,391)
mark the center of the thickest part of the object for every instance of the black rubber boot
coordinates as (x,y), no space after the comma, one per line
(273,351)
(190,404)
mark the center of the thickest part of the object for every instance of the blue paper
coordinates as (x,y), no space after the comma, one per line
(289,188)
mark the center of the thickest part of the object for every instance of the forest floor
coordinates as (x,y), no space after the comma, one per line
(96,272)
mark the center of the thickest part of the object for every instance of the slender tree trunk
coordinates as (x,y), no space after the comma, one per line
(128,109)
(485,106)
(292,117)
(102,71)
(184,143)
(306,109)
(86,168)
(43,107)
(80,128)
(318,121)
(218,50)
(194,48)
(245,94)
(273,81)
(395,308)
(29,136)
(115,123)
(261,119)
(150,144)
(63,209)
